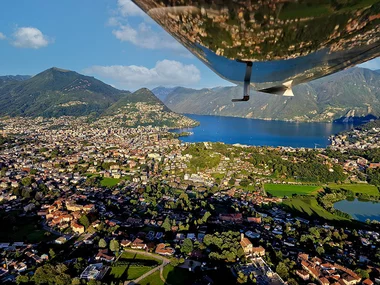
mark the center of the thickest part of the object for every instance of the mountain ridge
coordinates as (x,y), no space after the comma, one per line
(57,92)
(352,94)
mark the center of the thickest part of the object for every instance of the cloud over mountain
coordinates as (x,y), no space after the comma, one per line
(164,73)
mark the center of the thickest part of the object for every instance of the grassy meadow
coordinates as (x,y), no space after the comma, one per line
(281,190)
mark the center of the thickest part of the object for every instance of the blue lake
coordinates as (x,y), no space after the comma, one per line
(360,210)
(232,130)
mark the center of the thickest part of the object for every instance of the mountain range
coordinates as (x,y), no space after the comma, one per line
(56,92)
(351,94)
(348,95)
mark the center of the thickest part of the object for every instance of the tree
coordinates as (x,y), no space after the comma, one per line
(230,256)
(84,221)
(320,250)
(282,270)
(174,261)
(187,246)
(242,278)
(102,243)
(362,273)
(75,281)
(22,279)
(114,245)
(244,182)
(48,274)
(26,181)
(292,281)
(94,282)
(315,232)
(166,224)
(25,193)
(51,253)
(206,216)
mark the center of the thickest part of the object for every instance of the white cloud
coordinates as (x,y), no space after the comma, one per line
(29,37)
(2,36)
(147,34)
(165,73)
(128,8)
(145,37)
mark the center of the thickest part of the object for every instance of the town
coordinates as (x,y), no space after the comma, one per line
(102,203)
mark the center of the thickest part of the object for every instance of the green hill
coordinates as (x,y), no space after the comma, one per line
(57,92)
(142,95)
(143,108)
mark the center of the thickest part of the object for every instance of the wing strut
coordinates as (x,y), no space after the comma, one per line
(247,82)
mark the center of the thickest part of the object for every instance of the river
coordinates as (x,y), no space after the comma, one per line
(360,210)
(232,130)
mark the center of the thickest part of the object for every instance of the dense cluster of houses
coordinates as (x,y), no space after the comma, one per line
(47,172)
(326,273)
(357,139)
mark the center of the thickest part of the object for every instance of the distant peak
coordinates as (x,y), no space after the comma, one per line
(143,89)
(59,69)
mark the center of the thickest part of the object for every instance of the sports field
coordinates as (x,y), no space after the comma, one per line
(129,272)
(281,190)
(357,188)
(109,182)
(172,275)
(132,265)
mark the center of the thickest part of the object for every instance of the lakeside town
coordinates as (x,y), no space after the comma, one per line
(98,203)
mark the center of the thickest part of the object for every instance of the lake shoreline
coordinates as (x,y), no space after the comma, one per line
(256,132)
(359,210)
(342,120)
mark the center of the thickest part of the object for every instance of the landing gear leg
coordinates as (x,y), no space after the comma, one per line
(247,82)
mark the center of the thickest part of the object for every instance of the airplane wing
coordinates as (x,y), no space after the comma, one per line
(272,45)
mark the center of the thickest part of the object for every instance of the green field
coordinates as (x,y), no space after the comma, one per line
(109,182)
(172,275)
(131,266)
(309,206)
(130,256)
(118,270)
(357,188)
(281,190)
(153,279)
(129,272)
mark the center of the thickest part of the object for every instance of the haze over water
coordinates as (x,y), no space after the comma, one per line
(262,133)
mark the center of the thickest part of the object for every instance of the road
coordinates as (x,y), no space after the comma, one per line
(164,260)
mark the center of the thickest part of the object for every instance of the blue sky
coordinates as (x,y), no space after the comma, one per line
(109,39)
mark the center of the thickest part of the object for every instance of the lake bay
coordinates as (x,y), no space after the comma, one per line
(360,210)
(244,131)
